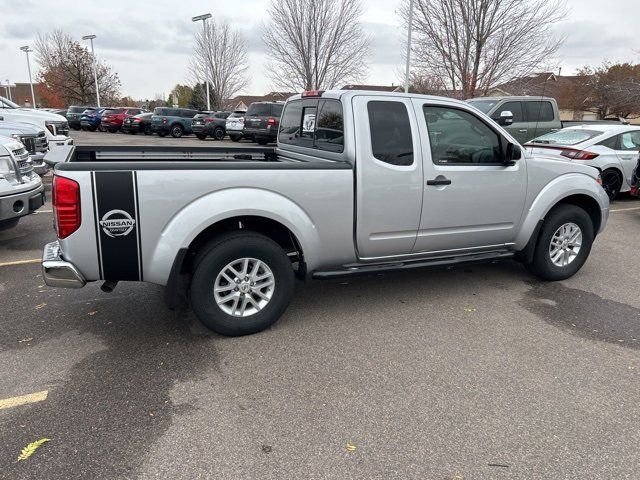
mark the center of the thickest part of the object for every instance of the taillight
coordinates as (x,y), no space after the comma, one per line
(312,93)
(137,120)
(578,154)
(271,121)
(208,120)
(66,205)
(599,180)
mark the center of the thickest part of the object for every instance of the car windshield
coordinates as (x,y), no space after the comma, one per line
(4,103)
(567,137)
(483,105)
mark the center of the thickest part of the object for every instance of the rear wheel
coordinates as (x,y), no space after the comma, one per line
(564,243)
(611,182)
(177,131)
(242,283)
(218,133)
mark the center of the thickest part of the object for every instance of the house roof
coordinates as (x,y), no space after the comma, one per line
(246,100)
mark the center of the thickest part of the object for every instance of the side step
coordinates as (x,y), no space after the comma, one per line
(410,265)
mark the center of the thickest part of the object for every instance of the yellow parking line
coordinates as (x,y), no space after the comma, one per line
(624,209)
(24,399)
(20,262)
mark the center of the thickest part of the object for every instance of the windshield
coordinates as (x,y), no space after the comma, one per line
(4,103)
(567,137)
(483,105)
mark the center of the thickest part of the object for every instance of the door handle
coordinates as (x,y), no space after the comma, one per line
(439,181)
(522,130)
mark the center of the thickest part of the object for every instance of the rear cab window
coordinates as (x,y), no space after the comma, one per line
(313,123)
(390,127)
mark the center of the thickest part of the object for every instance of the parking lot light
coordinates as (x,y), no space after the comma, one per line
(204,19)
(95,67)
(27,50)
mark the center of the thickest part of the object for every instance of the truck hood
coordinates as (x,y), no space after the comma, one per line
(7,145)
(561,164)
(9,128)
(41,114)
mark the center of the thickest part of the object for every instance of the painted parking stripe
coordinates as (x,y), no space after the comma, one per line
(624,209)
(20,262)
(24,399)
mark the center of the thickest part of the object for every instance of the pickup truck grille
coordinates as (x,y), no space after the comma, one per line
(29,143)
(21,157)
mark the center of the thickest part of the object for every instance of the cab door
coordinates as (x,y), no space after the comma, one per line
(388,176)
(472,200)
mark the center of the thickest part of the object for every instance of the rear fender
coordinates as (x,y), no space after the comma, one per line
(553,193)
(214,207)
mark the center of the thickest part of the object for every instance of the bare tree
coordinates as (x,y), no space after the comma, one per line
(474,44)
(220,55)
(66,72)
(315,44)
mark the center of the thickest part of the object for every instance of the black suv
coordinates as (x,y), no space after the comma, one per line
(262,120)
(176,121)
(73,116)
(207,124)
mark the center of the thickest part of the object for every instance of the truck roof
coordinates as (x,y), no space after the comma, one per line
(346,94)
(514,97)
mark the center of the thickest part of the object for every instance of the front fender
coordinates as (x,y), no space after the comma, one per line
(187,223)
(559,188)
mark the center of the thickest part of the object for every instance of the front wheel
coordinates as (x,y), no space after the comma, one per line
(242,284)
(218,133)
(564,243)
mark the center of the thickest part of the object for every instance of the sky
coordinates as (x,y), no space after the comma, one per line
(149,42)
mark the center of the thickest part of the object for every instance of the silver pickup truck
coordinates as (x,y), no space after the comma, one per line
(360,183)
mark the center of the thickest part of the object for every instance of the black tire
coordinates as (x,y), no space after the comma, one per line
(201,136)
(542,265)
(92,129)
(218,133)
(177,131)
(7,224)
(162,134)
(235,138)
(148,130)
(611,182)
(214,257)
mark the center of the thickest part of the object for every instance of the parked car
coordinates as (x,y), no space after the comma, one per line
(34,140)
(112,118)
(613,149)
(262,120)
(138,123)
(212,124)
(176,121)
(21,189)
(234,126)
(529,117)
(73,116)
(56,127)
(379,182)
(91,119)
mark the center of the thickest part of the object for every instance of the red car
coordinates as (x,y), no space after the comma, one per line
(112,118)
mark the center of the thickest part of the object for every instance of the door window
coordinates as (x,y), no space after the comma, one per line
(391,139)
(513,107)
(458,137)
(630,141)
(538,112)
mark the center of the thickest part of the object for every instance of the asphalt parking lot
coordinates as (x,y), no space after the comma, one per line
(479,372)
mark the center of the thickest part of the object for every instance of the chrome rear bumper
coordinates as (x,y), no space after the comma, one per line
(58,272)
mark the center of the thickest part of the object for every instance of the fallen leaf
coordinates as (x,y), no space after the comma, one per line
(28,339)
(92,313)
(350,447)
(31,448)
(38,307)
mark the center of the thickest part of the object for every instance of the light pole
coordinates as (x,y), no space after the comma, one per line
(9,91)
(27,50)
(406,73)
(204,19)
(95,67)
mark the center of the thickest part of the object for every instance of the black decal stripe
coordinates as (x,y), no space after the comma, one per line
(115,198)
(97,226)
(138,228)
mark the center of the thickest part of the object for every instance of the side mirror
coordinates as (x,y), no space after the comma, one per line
(506,118)
(512,154)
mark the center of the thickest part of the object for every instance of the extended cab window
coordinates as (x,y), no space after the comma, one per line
(391,139)
(538,112)
(459,138)
(313,124)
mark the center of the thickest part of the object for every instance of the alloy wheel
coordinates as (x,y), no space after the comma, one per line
(565,244)
(244,287)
